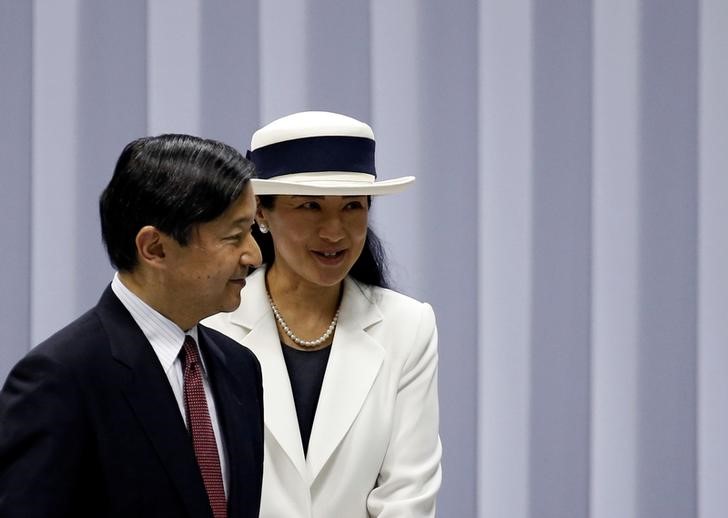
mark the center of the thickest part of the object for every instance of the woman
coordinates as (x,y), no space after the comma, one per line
(349,366)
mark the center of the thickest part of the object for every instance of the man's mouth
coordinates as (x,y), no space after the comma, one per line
(239,280)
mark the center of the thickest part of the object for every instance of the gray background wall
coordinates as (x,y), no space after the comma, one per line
(567,223)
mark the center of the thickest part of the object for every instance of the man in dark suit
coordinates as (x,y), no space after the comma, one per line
(134,409)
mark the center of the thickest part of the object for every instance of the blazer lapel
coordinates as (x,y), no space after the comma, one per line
(280,410)
(148,392)
(353,366)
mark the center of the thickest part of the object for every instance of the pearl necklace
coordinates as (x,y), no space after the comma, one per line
(300,341)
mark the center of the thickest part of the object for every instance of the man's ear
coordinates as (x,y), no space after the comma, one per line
(150,245)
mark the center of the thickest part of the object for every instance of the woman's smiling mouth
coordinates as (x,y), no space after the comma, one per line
(329,257)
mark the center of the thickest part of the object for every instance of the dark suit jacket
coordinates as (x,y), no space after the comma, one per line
(89,426)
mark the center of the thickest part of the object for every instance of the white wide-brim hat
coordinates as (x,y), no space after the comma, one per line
(318,154)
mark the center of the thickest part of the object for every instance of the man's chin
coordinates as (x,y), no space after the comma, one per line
(231,306)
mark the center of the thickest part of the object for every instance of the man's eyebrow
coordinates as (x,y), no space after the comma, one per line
(320,197)
(241,222)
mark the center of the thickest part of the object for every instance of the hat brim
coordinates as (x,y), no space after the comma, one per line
(329,187)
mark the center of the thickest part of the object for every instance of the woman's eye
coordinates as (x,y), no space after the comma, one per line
(309,205)
(354,205)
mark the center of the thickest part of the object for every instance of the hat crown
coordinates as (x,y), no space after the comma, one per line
(317,153)
(309,124)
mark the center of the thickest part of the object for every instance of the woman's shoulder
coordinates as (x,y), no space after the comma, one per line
(405,326)
(391,302)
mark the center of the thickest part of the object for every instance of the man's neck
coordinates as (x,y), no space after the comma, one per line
(150,291)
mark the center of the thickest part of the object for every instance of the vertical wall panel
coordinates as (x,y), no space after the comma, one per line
(713,262)
(396,121)
(112,111)
(55,167)
(173,66)
(448,217)
(229,71)
(504,249)
(16,33)
(615,260)
(283,59)
(338,73)
(668,260)
(561,259)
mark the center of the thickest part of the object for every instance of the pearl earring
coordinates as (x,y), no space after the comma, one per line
(263,228)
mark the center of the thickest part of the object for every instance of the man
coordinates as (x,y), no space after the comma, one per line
(134,409)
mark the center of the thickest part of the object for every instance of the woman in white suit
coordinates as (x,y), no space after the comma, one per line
(349,366)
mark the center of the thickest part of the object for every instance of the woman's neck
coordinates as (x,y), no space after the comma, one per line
(294,292)
(306,308)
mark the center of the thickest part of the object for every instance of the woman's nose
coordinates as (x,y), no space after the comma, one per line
(332,229)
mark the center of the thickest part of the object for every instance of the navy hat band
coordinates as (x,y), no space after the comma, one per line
(315,154)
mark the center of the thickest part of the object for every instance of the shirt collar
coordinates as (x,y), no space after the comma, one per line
(165,337)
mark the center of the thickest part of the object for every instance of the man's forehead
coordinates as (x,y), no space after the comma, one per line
(243,221)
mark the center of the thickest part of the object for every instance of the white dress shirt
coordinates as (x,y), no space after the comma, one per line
(167,339)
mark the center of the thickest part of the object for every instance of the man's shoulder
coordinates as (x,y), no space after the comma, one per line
(75,339)
(74,352)
(227,345)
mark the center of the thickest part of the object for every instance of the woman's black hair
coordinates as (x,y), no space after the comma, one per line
(370,268)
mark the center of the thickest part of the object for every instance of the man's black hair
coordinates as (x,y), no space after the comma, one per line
(172,182)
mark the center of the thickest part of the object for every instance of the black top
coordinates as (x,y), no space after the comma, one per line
(306,371)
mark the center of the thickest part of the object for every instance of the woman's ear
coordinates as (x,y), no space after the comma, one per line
(260,217)
(150,245)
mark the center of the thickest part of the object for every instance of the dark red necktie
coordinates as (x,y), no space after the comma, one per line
(200,426)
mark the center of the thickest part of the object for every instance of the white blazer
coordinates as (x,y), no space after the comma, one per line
(374,448)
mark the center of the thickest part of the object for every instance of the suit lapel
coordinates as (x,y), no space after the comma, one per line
(280,410)
(234,417)
(353,366)
(148,392)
